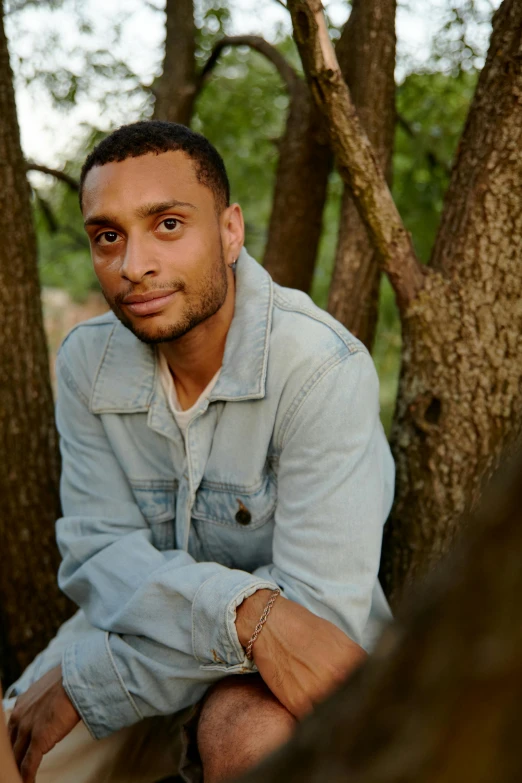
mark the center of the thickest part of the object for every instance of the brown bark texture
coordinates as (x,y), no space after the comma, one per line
(439,700)
(31,605)
(366,54)
(296,219)
(356,159)
(460,401)
(175,90)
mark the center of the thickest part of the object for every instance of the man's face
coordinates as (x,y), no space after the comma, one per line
(159,248)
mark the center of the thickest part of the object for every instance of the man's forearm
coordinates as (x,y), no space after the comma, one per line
(300,656)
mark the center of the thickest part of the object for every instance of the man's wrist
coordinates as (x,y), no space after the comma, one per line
(249,612)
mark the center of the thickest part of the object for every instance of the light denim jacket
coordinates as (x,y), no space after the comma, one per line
(285,479)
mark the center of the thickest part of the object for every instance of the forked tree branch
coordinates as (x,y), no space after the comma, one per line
(258,43)
(356,159)
(56,173)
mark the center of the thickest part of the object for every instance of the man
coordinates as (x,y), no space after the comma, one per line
(221,442)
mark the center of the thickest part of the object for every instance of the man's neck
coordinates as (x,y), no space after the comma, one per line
(196,357)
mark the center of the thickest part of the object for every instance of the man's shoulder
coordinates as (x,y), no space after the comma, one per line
(90,333)
(305,334)
(84,346)
(308,345)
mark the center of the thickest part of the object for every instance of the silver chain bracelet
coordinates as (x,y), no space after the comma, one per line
(262,621)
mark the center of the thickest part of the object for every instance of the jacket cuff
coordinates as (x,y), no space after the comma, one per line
(95,687)
(215,641)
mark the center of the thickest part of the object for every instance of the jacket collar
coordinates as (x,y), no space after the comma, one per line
(127,377)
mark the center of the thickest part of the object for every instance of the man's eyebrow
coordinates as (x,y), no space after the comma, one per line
(147,210)
(102,220)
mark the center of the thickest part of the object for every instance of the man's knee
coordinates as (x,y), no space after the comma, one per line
(241,721)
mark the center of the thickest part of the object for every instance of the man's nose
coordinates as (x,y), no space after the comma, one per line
(137,261)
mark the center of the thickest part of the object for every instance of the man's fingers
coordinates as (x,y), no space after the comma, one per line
(20,746)
(304,708)
(30,764)
(300,705)
(12,727)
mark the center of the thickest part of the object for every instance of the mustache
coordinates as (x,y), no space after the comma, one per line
(178,285)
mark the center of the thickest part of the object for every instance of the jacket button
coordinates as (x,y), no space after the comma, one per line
(243,515)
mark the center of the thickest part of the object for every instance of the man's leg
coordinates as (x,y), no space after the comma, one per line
(241,722)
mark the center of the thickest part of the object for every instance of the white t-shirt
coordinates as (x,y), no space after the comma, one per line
(167,381)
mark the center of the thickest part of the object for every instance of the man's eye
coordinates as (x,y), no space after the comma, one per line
(168,225)
(107,238)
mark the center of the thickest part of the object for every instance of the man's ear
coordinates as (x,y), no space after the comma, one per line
(232,232)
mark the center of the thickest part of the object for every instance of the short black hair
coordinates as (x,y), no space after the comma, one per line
(156,136)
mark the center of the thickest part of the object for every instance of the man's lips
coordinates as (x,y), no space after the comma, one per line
(152,302)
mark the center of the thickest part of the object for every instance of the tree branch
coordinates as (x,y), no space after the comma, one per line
(355,156)
(282,4)
(284,68)
(60,175)
(49,217)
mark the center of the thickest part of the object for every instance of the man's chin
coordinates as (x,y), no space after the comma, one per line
(151,330)
(152,335)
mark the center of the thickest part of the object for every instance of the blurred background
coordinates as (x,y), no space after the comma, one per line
(84,68)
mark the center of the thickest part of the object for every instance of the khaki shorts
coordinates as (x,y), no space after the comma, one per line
(149,751)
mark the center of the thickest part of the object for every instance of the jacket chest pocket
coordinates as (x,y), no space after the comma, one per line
(234,507)
(156,500)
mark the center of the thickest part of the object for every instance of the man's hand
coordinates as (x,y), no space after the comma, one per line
(300,656)
(8,771)
(42,716)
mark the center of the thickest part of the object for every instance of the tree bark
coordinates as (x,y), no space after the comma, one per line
(296,219)
(355,156)
(459,400)
(439,701)
(366,54)
(175,90)
(31,604)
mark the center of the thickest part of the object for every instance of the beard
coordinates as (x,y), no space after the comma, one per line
(200,304)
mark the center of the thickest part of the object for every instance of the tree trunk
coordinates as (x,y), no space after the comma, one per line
(439,701)
(459,400)
(31,604)
(355,157)
(366,46)
(366,54)
(175,89)
(304,164)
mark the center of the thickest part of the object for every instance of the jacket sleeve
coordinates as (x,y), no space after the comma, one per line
(150,607)
(335,489)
